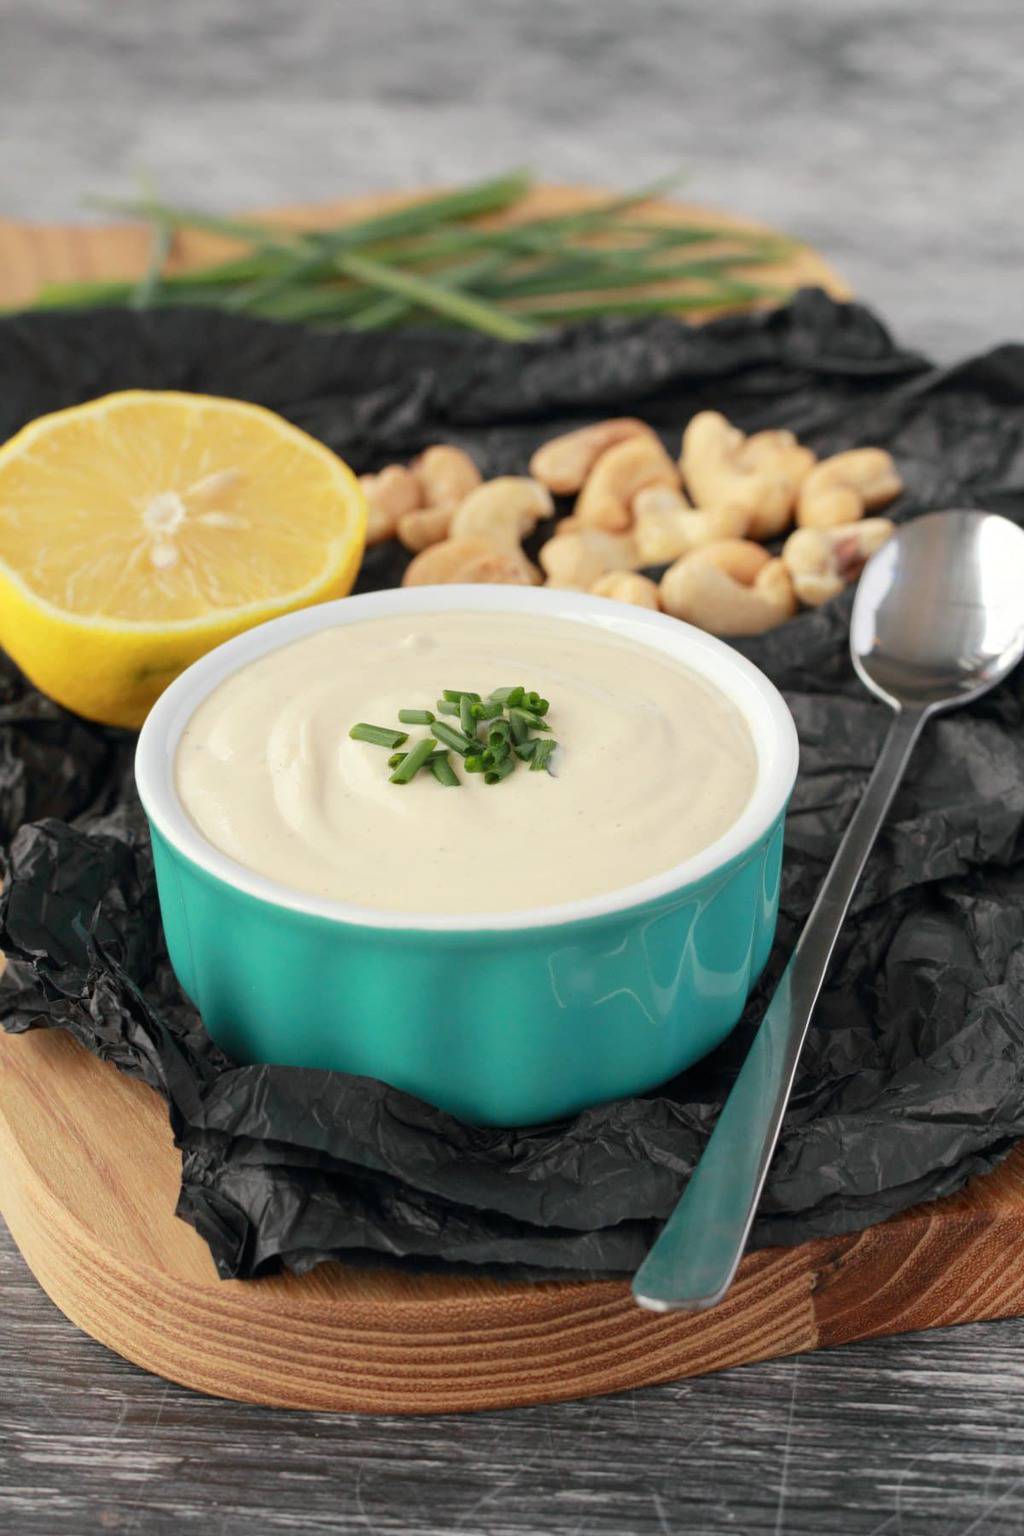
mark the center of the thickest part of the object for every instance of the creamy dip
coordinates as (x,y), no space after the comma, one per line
(653,765)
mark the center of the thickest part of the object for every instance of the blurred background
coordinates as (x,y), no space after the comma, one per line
(888,133)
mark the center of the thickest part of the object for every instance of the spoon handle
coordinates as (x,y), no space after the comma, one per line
(693,1261)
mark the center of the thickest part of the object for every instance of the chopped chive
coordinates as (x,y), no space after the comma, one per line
(542,756)
(519,725)
(524,750)
(499,732)
(474,762)
(458,742)
(446,707)
(396,758)
(487,711)
(416,716)
(495,755)
(413,761)
(379,735)
(441,768)
(499,771)
(456,695)
(535,704)
(522,720)
(509,696)
(466,720)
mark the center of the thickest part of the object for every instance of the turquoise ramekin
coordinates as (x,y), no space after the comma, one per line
(512,1018)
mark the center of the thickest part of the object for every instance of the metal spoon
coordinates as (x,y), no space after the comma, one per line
(938,620)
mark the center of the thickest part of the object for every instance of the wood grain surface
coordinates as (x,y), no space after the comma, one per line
(89,1178)
(88,1182)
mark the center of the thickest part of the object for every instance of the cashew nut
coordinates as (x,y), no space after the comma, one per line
(579,559)
(504,510)
(667,526)
(389,496)
(472,560)
(565,462)
(446,475)
(730,588)
(760,474)
(604,501)
(822,561)
(427,525)
(840,489)
(627,587)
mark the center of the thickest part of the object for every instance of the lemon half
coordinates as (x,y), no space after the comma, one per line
(139,530)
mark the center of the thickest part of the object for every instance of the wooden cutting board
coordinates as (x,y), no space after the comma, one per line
(89,1179)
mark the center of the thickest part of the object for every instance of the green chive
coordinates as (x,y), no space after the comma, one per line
(446,707)
(495,755)
(456,695)
(416,716)
(542,756)
(396,758)
(413,761)
(474,762)
(444,773)
(459,743)
(466,720)
(524,750)
(379,735)
(498,733)
(519,724)
(488,711)
(521,720)
(534,704)
(499,771)
(509,696)
(476,314)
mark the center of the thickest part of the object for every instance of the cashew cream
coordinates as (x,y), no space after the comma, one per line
(653,765)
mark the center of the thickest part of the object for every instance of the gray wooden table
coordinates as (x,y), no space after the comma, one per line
(920,1436)
(890,133)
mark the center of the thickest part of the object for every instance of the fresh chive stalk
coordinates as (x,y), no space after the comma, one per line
(541,758)
(431,259)
(416,716)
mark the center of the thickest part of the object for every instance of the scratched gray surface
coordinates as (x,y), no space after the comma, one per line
(889,134)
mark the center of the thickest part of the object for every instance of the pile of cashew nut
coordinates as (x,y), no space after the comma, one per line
(707,517)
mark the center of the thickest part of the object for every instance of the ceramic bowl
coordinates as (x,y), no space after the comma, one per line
(513,1018)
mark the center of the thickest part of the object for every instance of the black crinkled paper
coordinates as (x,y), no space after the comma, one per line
(913,1076)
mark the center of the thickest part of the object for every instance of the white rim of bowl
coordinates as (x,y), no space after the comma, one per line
(760,703)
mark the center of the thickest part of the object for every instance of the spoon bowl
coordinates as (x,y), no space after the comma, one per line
(938,618)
